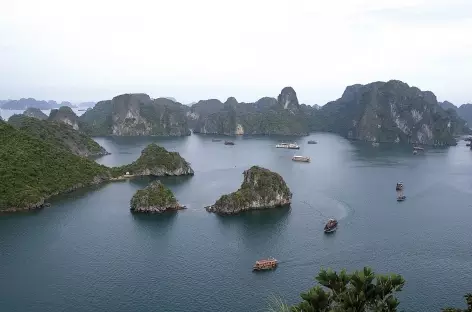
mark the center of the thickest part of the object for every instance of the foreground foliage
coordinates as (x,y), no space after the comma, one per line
(468,299)
(357,292)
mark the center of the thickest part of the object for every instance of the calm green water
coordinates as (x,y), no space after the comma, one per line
(89,253)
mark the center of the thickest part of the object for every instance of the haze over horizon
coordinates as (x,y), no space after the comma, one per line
(94,50)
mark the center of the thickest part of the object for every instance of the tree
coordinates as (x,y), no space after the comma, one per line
(468,299)
(357,292)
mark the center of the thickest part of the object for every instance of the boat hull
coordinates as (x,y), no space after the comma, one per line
(332,230)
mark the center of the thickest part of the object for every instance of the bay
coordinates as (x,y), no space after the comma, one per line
(87,252)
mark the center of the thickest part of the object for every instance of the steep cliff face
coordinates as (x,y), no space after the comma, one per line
(266,116)
(261,189)
(65,115)
(135,115)
(35,113)
(60,135)
(156,161)
(155,198)
(388,112)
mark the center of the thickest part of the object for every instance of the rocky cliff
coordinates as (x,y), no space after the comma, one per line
(35,113)
(135,115)
(156,161)
(58,134)
(65,115)
(388,112)
(267,116)
(261,189)
(155,198)
(464,111)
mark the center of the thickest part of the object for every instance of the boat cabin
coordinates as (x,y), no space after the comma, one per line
(265,264)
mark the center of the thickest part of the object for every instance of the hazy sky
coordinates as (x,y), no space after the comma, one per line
(198,49)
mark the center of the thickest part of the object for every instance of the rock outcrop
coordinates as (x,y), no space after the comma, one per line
(58,134)
(137,115)
(157,161)
(267,116)
(261,189)
(35,113)
(155,198)
(23,103)
(65,115)
(388,112)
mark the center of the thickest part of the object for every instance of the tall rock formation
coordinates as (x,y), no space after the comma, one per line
(135,115)
(35,113)
(388,112)
(65,115)
(154,198)
(267,116)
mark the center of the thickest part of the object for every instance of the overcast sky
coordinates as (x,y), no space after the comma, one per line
(84,50)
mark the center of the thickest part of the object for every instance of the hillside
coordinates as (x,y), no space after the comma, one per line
(58,134)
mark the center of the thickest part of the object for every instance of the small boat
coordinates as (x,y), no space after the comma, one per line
(415,152)
(301,158)
(468,144)
(265,264)
(401,198)
(418,148)
(288,145)
(229,143)
(375,144)
(216,140)
(312,142)
(331,226)
(399,187)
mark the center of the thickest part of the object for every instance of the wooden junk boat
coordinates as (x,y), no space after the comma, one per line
(312,142)
(399,189)
(301,158)
(265,264)
(229,143)
(331,226)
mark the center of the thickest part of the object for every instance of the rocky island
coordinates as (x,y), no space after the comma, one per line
(59,134)
(156,161)
(389,112)
(261,189)
(155,198)
(136,115)
(267,116)
(35,113)
(33,169)
(65,115)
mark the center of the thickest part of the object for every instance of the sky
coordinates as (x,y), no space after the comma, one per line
(90,50)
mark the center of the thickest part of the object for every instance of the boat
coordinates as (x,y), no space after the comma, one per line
(375,144)
(288,145)
(301,158)
(229,143)
(331,226)
(468,144)
(415,152)
(312,142)
(418,148)
(265,264)
(401,198)
(399,187)
(216,140)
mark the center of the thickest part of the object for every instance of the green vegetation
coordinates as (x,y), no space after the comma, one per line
(35,112)
(357,292)
(154,197)
(156,159)
(58,134)
(468,299)
(35,167)
(32,170)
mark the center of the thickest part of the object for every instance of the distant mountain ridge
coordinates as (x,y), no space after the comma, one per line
(25,103)
(464,111)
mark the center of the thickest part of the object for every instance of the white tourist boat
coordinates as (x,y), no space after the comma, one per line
(301,158)
(288,145)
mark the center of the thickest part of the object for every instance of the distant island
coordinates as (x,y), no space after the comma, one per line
(261,189)
(34,169)
(25,103)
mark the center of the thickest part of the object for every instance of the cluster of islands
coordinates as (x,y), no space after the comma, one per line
(42,156)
